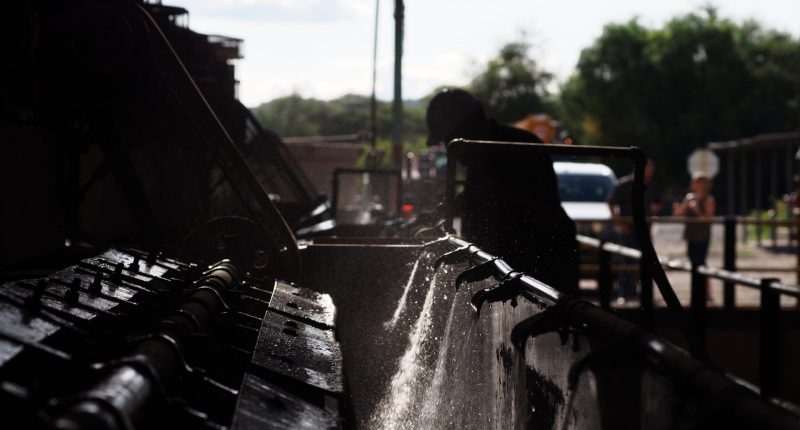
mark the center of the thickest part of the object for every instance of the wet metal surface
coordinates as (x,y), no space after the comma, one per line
(264,406)
(366,283)
(311,306)
(299,351)
(417,356)
(15,324)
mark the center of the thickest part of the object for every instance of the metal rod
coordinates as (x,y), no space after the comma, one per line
(604,278)
(769,340)
(743,209)
(729,263)
(698,303)
(646,300)
(730,178)
(757,193)
(712,272)
(373,109)
(397,103)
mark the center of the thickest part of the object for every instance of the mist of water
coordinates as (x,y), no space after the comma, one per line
(457,370)
(401,304)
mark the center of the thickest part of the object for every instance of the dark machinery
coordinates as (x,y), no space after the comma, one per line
(134,340)
(151,276)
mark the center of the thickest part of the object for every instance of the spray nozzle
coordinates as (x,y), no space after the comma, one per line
(508,289)
(476,273)
(453,256)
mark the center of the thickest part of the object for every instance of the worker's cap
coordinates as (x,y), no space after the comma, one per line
(448,112)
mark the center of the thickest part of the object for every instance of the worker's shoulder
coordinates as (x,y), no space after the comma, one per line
(512,134)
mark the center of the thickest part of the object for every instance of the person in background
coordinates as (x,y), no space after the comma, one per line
(619,202)
(698,203)
(511,206)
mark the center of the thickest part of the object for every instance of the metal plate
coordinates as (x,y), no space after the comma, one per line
(262,405)
(310,306)
(143,266)
(18,291)
(300,352)
(142,273)
(109,288)
(303,329)
(84,298)
(29,329)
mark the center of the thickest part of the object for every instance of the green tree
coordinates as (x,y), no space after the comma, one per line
(294,115)
(670,90)
(513,85)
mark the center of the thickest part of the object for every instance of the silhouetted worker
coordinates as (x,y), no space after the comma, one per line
(511,207)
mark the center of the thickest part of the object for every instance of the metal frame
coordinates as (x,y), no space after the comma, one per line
(650,266)
(697,376)
(771,290)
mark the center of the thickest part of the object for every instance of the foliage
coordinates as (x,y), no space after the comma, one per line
(294,115)
(670,90)
(512,85)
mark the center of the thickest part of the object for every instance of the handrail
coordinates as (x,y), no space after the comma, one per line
(709,271)
(706,381)
(692,220)
(542,291)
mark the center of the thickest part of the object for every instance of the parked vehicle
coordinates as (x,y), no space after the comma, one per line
(583,188)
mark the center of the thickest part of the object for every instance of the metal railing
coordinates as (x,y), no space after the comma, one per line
(702,379)
(650,267)
(771,290)
(730,224)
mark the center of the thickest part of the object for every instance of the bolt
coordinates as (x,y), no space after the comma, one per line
(35,299)
(97,284)
(72,294)
(117,272)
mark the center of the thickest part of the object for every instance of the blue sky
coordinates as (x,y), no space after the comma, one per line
(323,48)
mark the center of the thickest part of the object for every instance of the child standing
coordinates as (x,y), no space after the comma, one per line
(697,204)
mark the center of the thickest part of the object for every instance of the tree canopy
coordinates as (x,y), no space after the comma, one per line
(513,85)
(294,115)
(673,89)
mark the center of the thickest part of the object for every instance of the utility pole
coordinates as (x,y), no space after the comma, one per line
(397,103)
(373,157)
(373,105)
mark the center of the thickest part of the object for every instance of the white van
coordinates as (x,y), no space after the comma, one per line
(584,188)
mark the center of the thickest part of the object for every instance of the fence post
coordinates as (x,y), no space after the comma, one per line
(604,279)
(774,233)
(646,297)
(797,252)
(745,228)
(769,358)
(729,263)
(698,303)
